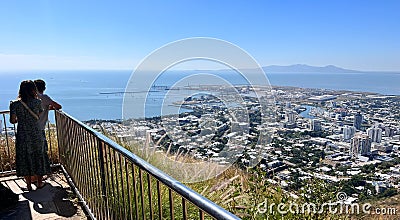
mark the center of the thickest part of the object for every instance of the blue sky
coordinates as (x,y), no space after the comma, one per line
(72,34)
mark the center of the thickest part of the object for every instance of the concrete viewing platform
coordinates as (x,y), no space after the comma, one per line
(54,201)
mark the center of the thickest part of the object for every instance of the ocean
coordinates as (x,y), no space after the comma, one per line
(98,94)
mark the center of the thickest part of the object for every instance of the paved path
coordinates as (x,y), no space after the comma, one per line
(54,201)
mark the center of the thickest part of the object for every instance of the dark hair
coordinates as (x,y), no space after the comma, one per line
(27,90)
(40,85)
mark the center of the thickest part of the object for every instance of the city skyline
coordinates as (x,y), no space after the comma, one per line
(359,35)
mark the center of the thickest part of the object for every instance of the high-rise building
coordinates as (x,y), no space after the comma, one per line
(375,134)
(1,126)
(360,145)
(315,125)
(291,116)
(357,121)
(348,132)
(389,131)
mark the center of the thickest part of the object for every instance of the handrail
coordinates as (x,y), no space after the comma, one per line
(105,150)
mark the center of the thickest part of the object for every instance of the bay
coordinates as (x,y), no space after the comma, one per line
(97,94)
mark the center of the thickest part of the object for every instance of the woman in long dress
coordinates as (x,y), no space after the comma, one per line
(31,156)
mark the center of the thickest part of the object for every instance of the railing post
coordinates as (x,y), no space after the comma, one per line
(102,172)
(60,136)
(8,146)
(49,145)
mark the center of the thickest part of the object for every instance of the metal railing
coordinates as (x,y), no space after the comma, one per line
(116,184)
(7,144)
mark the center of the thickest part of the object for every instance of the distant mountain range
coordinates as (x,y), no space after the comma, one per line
(302,68)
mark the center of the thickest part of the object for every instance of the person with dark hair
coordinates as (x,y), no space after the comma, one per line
(31,157)
(47,104)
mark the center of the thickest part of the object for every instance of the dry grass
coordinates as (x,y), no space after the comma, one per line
(7,153)
(237,190)
(7,149)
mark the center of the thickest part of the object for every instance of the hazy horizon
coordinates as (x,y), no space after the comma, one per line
(201,69)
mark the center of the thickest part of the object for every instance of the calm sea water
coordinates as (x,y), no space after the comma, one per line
(82,92)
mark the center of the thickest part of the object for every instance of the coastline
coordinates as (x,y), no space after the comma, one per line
(100,94)
(189,106)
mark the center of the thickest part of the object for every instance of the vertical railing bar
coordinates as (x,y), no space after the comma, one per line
(150,195)
(68,143)
(97,176)
(67,140)
(91,176)
(64,140)
(82,163)
(78,146)
(201,214)
(159,199)
(184,208)
(55,143)
(77,156)
(112,180)
(142,193)
(78,177)
(64,135)
(7,143)
(59,137)
(15,133)
(109,194)
(70,152)
(75,153)
(103,179)
(93,188)
(66,152)
(89,166)
(122,186)
(5,130)
(81,174)
(135,191)
(58,134)
(117,183)
(128,188)
(171,204)
(49,142)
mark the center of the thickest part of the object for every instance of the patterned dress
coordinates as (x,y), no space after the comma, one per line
(31,157)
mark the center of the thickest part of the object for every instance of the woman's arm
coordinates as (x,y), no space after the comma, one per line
(13,115)
(13,118)
(55,106)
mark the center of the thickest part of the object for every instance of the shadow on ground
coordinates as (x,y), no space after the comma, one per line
(53,201)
